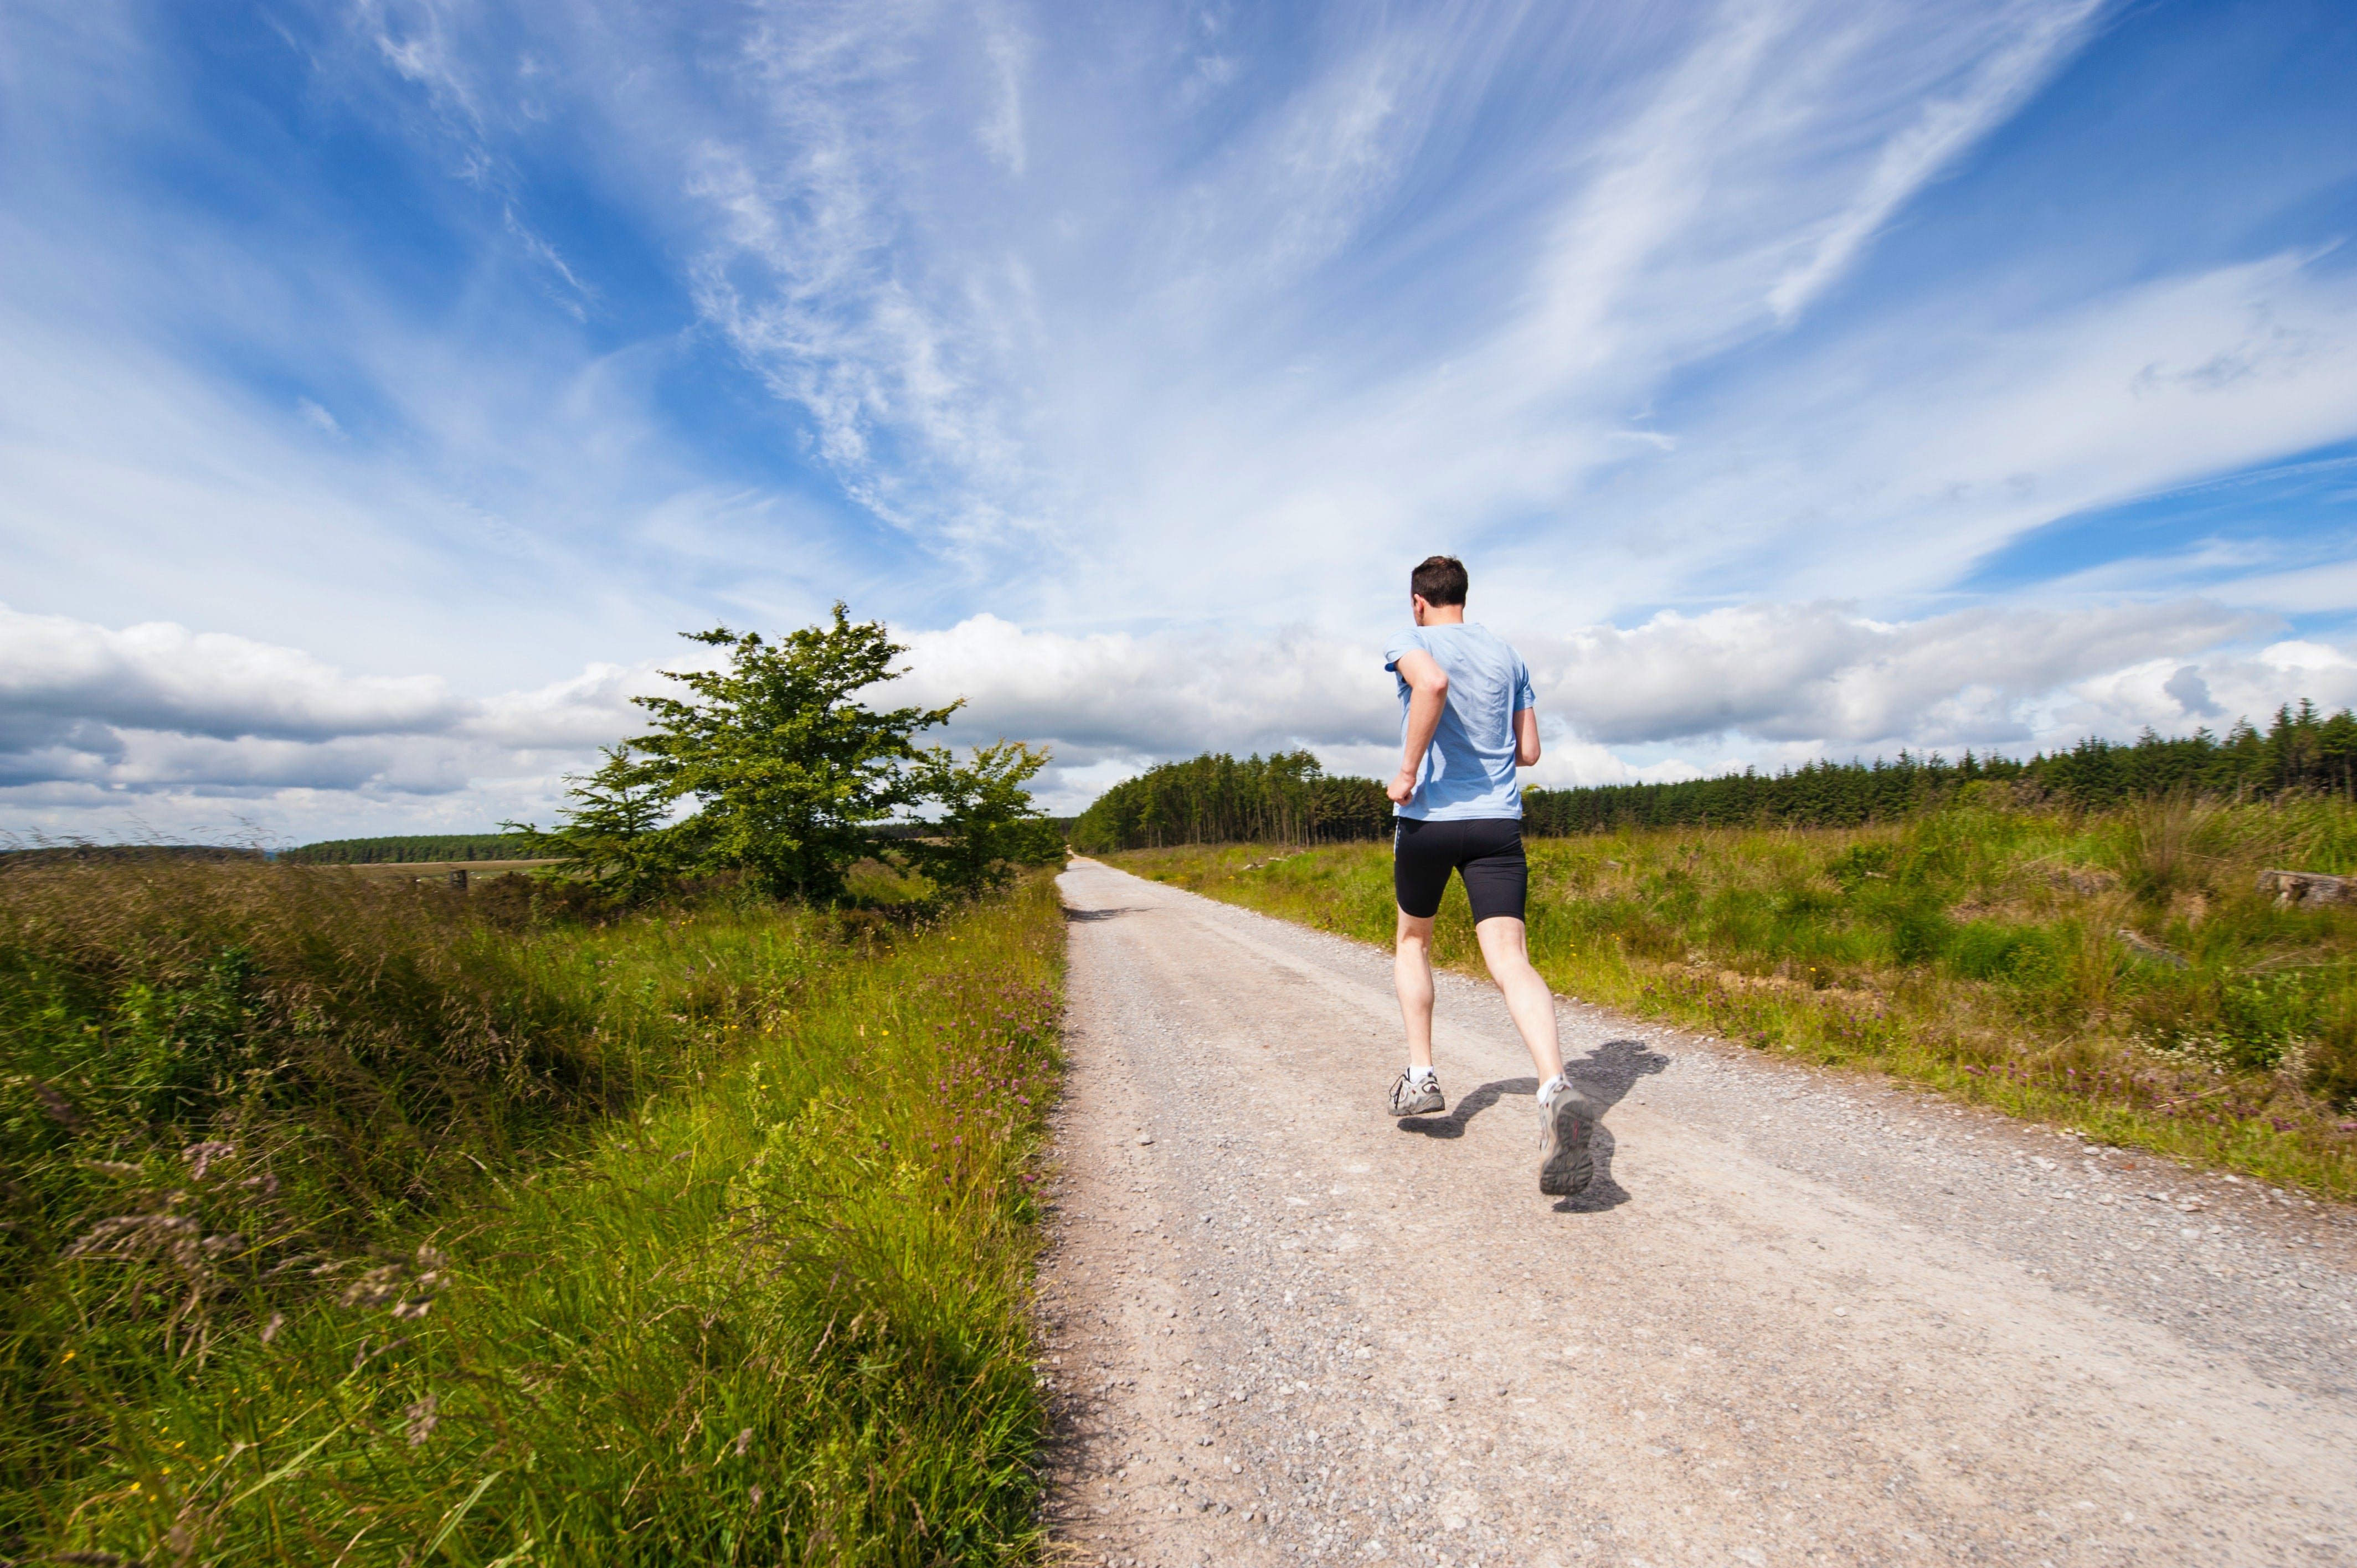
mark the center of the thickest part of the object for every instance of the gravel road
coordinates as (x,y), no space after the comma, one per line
(1799,1317)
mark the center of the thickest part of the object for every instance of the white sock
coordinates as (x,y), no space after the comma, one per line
(1418,1073)
(1551,1087)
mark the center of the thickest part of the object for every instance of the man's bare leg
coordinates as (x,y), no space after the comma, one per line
(1411,977)
(1566,1115)
(1505,947)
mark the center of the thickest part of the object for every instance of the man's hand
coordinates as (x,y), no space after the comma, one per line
(1401,789)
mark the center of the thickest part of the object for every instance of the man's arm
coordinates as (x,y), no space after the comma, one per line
(1526,737)
(1427,697)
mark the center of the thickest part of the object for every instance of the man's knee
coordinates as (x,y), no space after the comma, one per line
(1502,930)
(1504,943)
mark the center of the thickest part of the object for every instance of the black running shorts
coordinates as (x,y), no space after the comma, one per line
(1487,851)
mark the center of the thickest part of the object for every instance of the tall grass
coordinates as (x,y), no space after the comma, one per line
(2121,973)
(347,1225)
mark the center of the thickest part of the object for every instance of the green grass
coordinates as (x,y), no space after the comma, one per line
(345,1224)
(1975,951)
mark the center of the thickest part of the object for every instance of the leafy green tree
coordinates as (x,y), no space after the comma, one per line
(613,827)
(790,773)
(988,828)
(788,769)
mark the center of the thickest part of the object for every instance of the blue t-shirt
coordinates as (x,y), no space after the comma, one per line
(1468,773)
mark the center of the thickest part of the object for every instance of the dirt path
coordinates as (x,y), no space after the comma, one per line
(1799,1318)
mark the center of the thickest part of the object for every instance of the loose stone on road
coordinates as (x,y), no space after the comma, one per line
(1798,1318)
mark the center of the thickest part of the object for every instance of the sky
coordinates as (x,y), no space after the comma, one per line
(384,386)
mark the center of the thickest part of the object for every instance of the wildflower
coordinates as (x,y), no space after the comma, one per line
(200,1157)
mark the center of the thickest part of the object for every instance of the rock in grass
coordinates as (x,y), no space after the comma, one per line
(2145,946)
(2307,888)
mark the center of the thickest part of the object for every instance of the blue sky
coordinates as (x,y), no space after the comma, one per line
(384,385)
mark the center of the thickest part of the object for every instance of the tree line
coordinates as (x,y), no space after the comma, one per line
(2301,750)
(404,848)
(1287,799)
(1214,799)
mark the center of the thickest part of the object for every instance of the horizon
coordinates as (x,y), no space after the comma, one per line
(1933,760)
(388,385)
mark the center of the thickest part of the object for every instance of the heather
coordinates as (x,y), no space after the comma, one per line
(357,1221)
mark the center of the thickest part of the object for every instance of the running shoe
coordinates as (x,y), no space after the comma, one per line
(1413,1096)
(1566,1123)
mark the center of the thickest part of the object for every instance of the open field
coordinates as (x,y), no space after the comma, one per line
(346,1224)
(2121,974)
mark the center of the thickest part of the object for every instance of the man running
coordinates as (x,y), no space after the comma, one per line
(1466,720)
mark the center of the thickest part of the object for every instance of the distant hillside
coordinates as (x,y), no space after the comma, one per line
(43,854)
(406,848)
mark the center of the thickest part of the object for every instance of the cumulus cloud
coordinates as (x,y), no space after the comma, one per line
(1825,673)
(1676,697)
(1169,692)
(160,719)
(1781,675)
(55,670)
(185,725)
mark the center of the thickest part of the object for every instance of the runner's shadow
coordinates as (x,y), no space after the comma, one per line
(1602,1192)
(1083,915)
(1453,1124)
(1609,1072)
(1606,1075)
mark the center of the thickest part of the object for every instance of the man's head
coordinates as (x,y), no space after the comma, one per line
(1438,584)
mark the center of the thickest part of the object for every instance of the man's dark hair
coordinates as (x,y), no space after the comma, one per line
(1440,581)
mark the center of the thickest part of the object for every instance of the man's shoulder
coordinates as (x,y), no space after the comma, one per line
(1493,642)
(1408,639)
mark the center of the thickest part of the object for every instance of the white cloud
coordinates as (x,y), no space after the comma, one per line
(1768,684)
(155,721)
(1008,52)
(1172,692)
(167,723)
(1826,675)
(1147,365)
(56,671)
(1948,125)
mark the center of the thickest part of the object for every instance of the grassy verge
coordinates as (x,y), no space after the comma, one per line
(2120,975)
(346,1225)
